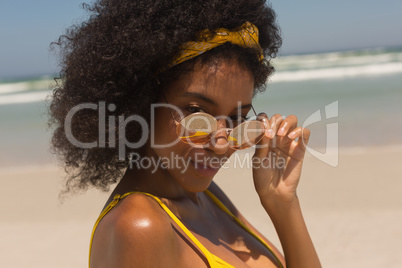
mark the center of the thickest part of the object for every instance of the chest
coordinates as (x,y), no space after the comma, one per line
(221,236)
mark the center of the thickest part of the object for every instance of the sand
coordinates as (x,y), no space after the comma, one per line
(353,211)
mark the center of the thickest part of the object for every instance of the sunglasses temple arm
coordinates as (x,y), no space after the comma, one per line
(252,107)
(174,119)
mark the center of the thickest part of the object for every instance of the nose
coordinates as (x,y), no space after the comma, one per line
(219,141)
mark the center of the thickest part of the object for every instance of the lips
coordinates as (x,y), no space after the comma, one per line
(206,167)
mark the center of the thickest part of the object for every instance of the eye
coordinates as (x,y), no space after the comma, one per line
(195,109)
(238,118)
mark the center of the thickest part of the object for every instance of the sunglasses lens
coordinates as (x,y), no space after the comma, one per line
(246,134)
(196,128)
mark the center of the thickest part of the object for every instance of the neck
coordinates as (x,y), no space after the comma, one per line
(156,181)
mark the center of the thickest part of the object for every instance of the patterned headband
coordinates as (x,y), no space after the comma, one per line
(245,36)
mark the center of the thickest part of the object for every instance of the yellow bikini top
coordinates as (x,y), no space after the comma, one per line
(213,261)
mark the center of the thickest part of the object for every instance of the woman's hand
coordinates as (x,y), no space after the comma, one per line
(278,159)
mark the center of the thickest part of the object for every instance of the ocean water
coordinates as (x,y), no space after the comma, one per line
(359,91)
(362,89)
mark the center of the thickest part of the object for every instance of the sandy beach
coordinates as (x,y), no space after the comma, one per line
(353,211)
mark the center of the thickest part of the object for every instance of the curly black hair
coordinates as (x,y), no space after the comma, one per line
(114,57)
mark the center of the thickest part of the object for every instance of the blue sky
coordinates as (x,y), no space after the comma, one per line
(28,26)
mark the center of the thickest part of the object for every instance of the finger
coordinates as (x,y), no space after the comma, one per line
(262,147)
(298,148)
(287,125)
(275,121)
(305,137)
(296,133)
(288,144)
(263,117)
(282,141)
(302,133)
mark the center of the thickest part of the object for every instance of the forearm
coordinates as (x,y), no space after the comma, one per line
(288,220)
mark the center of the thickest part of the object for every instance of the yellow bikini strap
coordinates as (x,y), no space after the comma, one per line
(111,205)
(207,254)
(225,209)
(116,200)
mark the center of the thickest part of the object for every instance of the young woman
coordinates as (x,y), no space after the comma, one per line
(155,95)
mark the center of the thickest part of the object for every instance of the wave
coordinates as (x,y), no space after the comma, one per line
(31,85)
(23,97)
(338,72)
(336,59)
(35,89)
(334,65)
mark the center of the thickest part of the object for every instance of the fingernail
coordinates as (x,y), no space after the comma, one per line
(291,135)
(269,133)
(265,122)
(281,131)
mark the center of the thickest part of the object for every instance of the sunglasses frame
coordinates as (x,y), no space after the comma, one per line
(227,130)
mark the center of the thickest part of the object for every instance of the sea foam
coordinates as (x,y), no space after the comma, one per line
(338,72)
(23,97)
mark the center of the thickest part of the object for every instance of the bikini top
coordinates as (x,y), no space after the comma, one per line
(213,261)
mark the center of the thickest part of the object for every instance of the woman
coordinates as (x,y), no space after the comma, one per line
(170,84)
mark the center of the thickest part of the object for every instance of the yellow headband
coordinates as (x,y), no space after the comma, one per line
(245,36)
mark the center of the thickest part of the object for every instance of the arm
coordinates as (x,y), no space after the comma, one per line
(276,186)
(293,234)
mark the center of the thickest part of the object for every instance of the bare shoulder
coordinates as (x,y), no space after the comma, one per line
(136,233)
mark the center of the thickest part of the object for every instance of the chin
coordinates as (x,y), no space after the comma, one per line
(196,179)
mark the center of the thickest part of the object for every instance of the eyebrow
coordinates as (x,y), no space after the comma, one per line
(206,99)
(199,96)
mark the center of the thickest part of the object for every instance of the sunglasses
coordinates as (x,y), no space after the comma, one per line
(199,128)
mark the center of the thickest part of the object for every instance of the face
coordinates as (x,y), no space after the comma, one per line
(224,91)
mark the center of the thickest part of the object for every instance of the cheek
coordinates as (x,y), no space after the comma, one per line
(164,132)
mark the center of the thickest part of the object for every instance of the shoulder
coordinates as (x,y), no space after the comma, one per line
(137,232)
(139,213)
